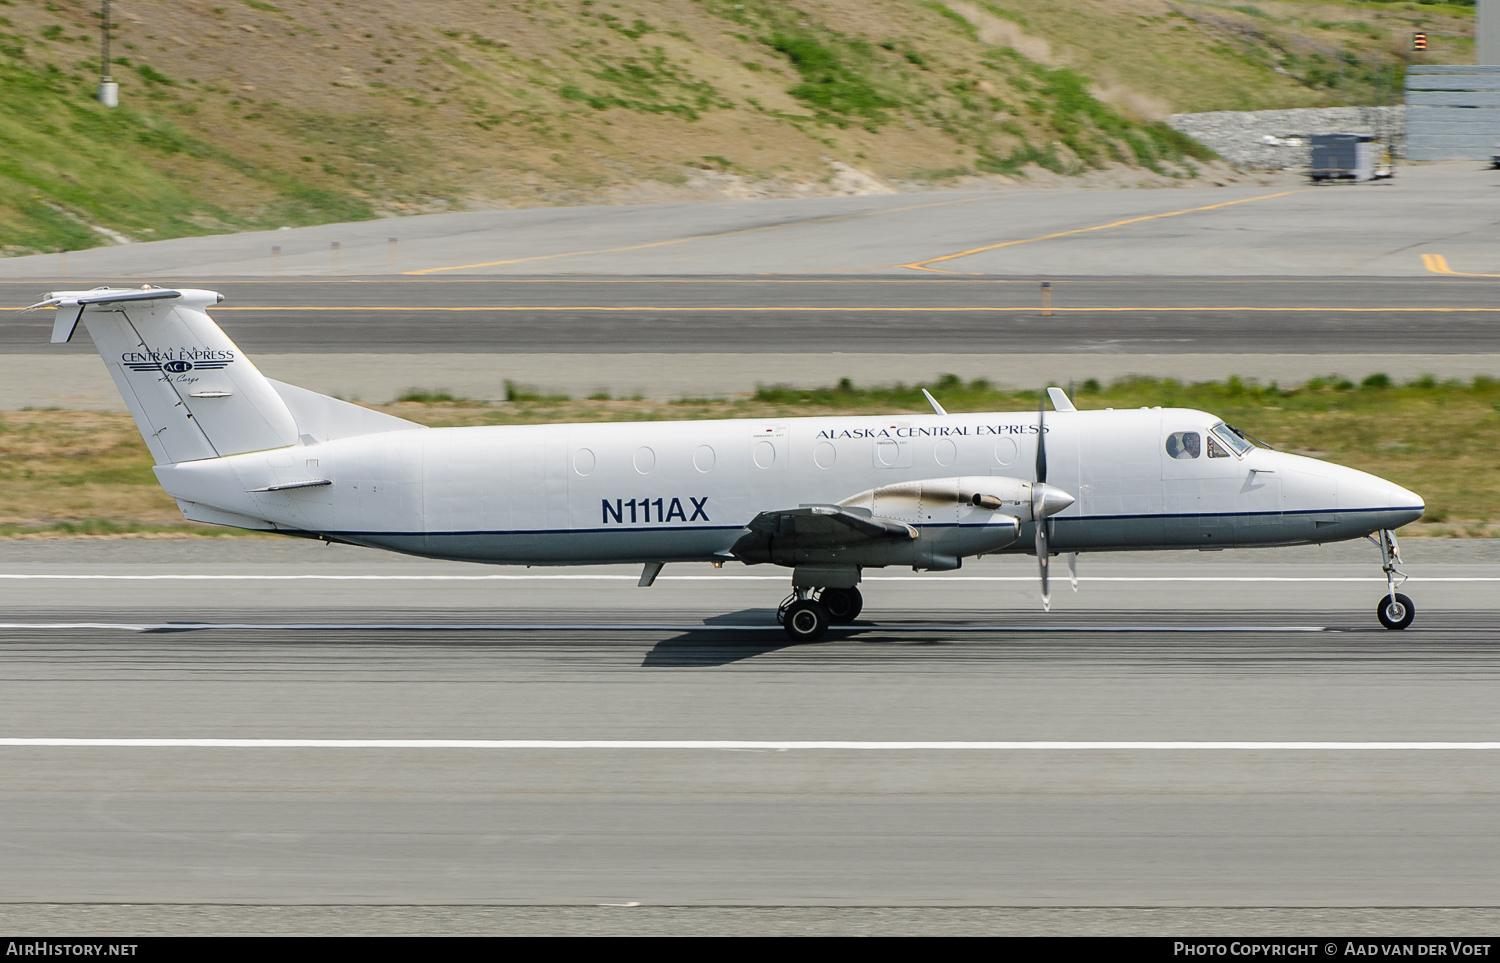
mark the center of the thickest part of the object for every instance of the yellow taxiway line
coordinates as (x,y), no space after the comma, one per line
(704,237)
(922,265)
(1438,264)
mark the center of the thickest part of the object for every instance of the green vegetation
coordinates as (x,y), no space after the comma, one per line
(422,396)
(1010,110)
(834,84)
(105,528)
(1376,393)
(651,84)
(1093,133)
(68,164)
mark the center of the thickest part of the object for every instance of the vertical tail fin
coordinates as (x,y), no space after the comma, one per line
(192,392)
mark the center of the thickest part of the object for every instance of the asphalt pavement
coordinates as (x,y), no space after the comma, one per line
(887,315)
(259,639)
(1272,225)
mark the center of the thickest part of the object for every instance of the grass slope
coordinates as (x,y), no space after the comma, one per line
(242,114)
(69,473)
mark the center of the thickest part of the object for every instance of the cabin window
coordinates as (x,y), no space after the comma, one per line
(1216,450)
(1184,444)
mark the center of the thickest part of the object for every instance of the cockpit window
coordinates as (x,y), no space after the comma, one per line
(1232,438)
(1184,444)
(1216,450)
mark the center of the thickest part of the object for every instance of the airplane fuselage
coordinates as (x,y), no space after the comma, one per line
(685,491)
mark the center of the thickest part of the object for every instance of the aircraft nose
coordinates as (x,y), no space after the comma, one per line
(1047,501)
(1394,505)
(1415,504)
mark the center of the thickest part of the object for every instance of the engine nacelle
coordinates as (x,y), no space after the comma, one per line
(947,500)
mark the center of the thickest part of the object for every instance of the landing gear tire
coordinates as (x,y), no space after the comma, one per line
(844,604)
(1395,612)
(806,620)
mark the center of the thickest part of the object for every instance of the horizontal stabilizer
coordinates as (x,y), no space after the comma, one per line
(288,486)
(105,296)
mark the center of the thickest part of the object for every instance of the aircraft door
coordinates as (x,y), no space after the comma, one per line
(1120,478)
(1211,497)
(1260,517)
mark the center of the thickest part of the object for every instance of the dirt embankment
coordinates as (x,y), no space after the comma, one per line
(245,114)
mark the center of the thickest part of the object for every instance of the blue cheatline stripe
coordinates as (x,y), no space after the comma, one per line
(633,627)
(1298,512)
(742,744)
(1072,519)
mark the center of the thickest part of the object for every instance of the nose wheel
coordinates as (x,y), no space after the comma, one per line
(1395,611)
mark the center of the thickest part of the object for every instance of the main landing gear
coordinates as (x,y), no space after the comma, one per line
(806,617)
(1395,610)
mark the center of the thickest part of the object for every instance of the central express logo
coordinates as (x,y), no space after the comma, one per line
(178,360)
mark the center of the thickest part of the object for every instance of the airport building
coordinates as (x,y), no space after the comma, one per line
(1453,111)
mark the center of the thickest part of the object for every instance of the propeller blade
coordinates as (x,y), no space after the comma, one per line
(1073,569)
(1042,557)
(1038,500)
(1041,439)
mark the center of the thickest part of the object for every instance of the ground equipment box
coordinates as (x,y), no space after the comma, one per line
(1348,157)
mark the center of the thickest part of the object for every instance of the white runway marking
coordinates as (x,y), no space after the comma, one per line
(723,578)
(772,744)
(627,627)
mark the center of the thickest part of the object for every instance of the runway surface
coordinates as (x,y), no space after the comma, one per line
(345,644)
(672,315)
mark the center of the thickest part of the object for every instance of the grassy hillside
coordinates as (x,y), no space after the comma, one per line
(242,114)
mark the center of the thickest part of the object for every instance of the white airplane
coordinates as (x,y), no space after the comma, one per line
(826,497)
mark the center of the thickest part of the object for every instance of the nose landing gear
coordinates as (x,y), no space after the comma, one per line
(1395,610)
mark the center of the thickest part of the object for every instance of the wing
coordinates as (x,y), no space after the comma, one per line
(818,527)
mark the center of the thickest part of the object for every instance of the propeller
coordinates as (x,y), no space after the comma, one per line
(1047,501)
(1039,497)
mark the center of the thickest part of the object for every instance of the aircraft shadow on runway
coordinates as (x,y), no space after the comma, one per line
(711,645)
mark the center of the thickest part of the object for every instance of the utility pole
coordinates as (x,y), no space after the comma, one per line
(109,91)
